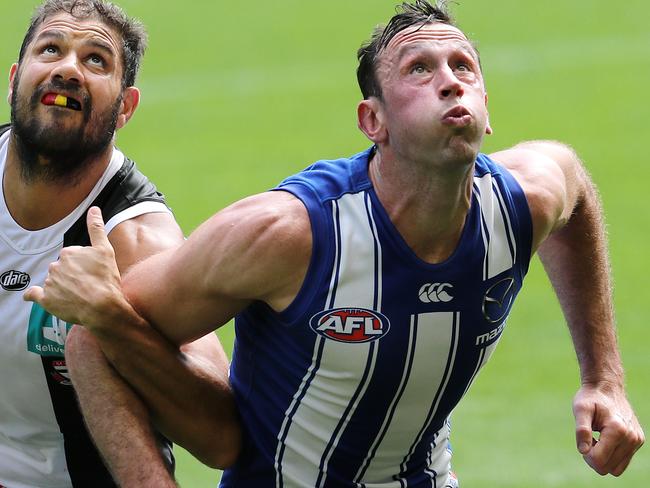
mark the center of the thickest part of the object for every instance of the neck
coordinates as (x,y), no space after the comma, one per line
(427,205)
(35,202)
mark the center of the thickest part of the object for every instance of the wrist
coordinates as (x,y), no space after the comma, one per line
(112,316)
(607,383)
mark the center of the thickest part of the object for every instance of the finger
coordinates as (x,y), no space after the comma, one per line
(96,229)
(584,433)
(611,446)
(34,294)
(630,444)
(620,460)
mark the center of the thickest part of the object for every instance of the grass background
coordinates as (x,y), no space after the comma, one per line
(238,95)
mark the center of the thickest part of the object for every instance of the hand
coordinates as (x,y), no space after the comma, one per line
(83,286)
(606,410)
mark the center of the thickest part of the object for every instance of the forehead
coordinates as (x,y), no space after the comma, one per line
(91,30)
(433,34)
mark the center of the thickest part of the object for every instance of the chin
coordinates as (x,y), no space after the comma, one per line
(463,151)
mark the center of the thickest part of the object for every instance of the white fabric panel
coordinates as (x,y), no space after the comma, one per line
(39,241)
(499,257)
(435,345)
(135,211)
(327,397)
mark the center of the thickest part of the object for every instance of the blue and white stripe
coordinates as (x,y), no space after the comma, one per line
(325,402)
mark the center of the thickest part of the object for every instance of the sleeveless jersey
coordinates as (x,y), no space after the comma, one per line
(43,440)
(353,384)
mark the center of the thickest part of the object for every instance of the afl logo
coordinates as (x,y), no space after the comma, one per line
(14,280)
(351,325)
(435,292)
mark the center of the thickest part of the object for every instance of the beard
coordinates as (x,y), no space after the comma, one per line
(50,152)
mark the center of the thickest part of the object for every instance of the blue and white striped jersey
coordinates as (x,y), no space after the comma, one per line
(353,384)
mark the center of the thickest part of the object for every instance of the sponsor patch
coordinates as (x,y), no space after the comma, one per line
(498,300)
(59,372)
(351,325)
(14,280)
(46,333)
(435,293)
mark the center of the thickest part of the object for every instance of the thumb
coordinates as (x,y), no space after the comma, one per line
(584,435)
(96,230)
(34,294)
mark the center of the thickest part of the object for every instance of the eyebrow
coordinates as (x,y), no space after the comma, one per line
(464,46)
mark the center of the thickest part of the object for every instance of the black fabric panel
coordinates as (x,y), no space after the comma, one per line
(127,187)
(124,190)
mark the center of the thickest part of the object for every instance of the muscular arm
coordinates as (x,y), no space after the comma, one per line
(568,232)
(115,416)
(187,388)
(258,249)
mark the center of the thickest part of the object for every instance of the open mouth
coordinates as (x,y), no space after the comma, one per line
(458,117)
(459,111)
(61,101)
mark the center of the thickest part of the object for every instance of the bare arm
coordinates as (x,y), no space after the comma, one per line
(186,389)
(115,416)
(257,249)
(168,379)
(569,233)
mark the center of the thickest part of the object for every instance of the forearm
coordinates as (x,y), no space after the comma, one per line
(576,260)
(115,417)
(188,393)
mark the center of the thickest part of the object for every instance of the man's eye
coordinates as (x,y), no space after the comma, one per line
(50,49)
(465,67)
(96,60)
(418,69)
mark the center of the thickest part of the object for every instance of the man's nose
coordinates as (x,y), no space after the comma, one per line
(449,85)
(68,69)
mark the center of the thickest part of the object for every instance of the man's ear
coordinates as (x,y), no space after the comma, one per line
(130,102)
(12,76)
(370,119)
(488,127)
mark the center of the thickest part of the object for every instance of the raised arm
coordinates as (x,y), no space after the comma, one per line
(257,249)
(568,232)
(200,369)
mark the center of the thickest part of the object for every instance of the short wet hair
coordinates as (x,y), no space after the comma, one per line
(131,31)
(421,13)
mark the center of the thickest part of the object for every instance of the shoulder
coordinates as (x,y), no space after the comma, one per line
(330,178)
(139,237)
(549,173)
(127,188)
(256,249)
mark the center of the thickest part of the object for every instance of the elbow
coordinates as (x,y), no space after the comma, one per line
(223,451)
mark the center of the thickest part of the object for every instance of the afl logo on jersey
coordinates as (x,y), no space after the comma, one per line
(14,280)
(351,325)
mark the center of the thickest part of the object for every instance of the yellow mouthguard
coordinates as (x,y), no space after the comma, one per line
(61,101)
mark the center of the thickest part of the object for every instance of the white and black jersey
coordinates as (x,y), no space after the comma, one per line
(43,439)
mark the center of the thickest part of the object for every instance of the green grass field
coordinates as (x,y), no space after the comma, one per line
(238,95)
